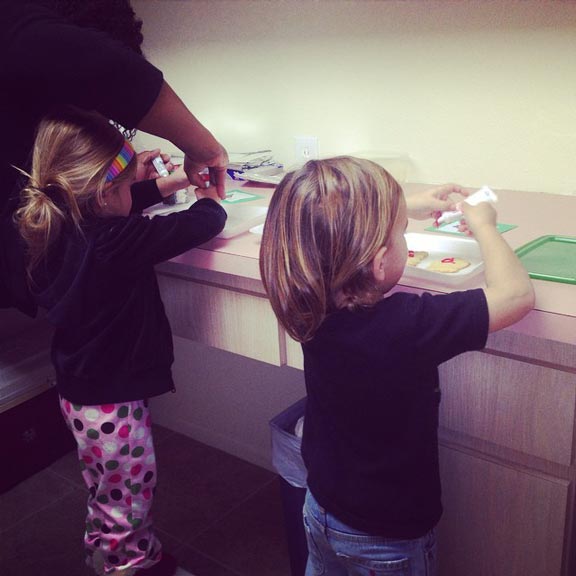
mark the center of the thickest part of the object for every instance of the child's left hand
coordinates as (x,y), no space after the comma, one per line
(176,180)
(432,202)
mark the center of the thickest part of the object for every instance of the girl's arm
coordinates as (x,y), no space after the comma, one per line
(150,188)
(128,245)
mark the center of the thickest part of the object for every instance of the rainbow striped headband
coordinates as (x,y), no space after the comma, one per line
(120,162)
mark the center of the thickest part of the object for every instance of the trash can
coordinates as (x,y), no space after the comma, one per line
(287,460)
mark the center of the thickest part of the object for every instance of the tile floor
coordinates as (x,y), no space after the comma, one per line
(217,514)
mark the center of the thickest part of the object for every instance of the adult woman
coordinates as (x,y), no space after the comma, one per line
(57,52)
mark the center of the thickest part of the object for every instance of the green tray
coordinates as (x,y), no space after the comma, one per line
(550,258)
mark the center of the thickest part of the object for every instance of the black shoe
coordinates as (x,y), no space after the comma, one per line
(166,567)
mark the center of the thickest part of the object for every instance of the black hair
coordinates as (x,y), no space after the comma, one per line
(116,18)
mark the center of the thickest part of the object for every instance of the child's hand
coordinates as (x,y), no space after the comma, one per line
(175,181)
(210,192)
(146,170)
(177,178)
(476,217)
(432,202)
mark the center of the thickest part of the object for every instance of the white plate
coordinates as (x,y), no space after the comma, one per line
(441,246)
(241,218)
(258,229)
(265,174)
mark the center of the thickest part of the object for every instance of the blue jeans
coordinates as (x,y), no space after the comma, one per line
(335,549)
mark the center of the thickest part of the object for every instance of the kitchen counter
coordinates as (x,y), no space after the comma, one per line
(534,215)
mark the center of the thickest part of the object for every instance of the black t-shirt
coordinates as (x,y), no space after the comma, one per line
(370,440)
(46,62)
(112,340)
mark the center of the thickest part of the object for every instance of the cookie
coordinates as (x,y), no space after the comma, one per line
(448,265)
(415,257)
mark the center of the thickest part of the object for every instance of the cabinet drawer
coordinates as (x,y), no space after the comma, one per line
(226,319)
(521,406)
(498,520)
(558,354)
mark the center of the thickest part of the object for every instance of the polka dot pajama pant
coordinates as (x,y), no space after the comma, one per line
(119,468)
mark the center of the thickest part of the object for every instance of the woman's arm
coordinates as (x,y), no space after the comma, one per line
(169,118)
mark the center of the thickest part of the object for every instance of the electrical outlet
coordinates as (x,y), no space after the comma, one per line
(306,148)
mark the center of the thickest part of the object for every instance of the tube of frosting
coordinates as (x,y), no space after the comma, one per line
(485,194)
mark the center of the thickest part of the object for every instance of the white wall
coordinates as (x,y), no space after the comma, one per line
(477,92)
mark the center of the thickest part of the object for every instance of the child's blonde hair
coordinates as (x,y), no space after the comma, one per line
(72,153)
(324,226)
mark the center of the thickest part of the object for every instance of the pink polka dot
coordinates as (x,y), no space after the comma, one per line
(88,459)
(124,431)
(67,407)
(147,493)
(107,408)
(136,470)
(113,544)
(129,500)
(149,420)
(97,451)
(115,478)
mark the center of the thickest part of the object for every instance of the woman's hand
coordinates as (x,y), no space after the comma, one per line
(432,202)
(216,165)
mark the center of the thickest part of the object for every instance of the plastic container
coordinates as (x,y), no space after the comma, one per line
(287,460)
(551,258)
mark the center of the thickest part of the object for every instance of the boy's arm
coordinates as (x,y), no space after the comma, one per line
(430,203)
(509,291)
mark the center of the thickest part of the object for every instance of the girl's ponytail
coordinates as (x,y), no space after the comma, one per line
(72,153)
(40,219)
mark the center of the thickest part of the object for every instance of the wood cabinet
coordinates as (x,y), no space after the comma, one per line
(507,428)
(506,450)
(511,404)
(231,317)
(499,520)
(294,356)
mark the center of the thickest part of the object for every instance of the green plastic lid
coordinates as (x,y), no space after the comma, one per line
(550,258)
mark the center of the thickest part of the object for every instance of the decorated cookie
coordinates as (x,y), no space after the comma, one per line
(415,257)
(448,265)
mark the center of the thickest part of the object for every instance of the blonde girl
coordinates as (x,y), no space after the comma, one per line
(333,249)
(91,257)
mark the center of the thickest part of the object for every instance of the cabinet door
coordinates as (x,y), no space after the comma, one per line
(223,318)
(499,521)
(516,405)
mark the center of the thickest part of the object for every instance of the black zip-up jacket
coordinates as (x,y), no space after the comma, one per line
(112,341)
